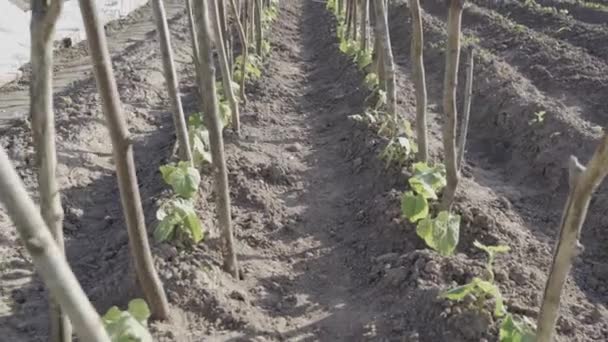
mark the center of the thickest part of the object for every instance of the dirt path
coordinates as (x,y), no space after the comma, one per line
(305,274)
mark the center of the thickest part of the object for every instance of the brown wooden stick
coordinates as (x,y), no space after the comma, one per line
(122,146)
(179,121)
(44,18)
(47,255)
(212,121)
(449,102)
(583,182)
(386,57)
(419,80)
(466,111)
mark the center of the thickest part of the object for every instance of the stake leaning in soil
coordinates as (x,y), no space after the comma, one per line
(419,79)
(386,60)
(583,182)
(122,147)
(48,256)
(466,111)
(224,68)
(212,121)
(44,18)
(244,48)
(179,121)
(449,101)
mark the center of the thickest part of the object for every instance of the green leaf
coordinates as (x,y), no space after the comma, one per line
(424,229)
(189,221)
(433,176)
(459,292)
(422,188)
(112,315)
(195,121)
(371,80)
(446,230)
(139,310)
(166,227)
(512,330)
(344,46)
(183,178)
(414,206)
(194,225)
(407,128)
(225,114)
(122,326)
(364,58)
(199,140)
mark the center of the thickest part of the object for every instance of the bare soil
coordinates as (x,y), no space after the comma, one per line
(325,255)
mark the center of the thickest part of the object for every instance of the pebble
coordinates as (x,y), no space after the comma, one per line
(238,295)
(295,147)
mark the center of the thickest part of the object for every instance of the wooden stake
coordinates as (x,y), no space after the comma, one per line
(47,255)
(583,182)
(212,121)
(122,146)
(449,102)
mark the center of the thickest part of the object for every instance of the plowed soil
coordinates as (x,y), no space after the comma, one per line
(324,252)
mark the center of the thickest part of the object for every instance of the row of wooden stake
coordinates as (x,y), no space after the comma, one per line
(41,230)
(583,180)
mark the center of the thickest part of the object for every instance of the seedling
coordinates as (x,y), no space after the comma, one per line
(371,81)
(397,151)
(349,47)
(514,330)
(539,117)
(252,68)
(442,232)
(178,221)
(130,325)
(199,141)
(363,58)
(183,178)
(482,290)
(177,218)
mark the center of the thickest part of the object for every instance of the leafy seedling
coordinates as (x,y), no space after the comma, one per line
(397,152)
(482,290)
(514,330)
(130,325)
(441,233)
(252,68)
(199,140)
(371,81)
(178,221)
(428,181)
(363,58)
(414,206)
(539,117)
(183,178)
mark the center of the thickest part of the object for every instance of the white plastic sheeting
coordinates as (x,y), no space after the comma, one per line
(15,35)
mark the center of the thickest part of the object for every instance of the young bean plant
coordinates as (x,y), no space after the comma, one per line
(130,325)
(482,289)
(252,69)
(442,232)
(177,217)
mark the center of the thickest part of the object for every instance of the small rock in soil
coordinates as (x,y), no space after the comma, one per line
(388,257)
(296,147)
(518,276)
(238,295)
